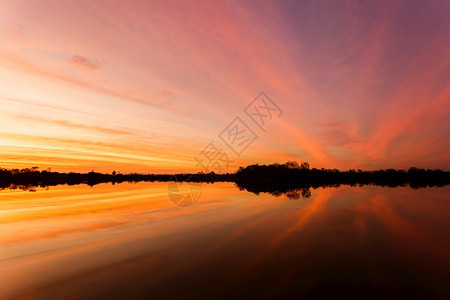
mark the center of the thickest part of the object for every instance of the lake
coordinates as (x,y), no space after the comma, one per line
(129,241)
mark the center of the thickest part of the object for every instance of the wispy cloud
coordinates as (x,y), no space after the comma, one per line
(84,63)
(361,84)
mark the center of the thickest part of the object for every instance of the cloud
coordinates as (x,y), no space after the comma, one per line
(84,63)
(365,86)
(71,125)
(337,134)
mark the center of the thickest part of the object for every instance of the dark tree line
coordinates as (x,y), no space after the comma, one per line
(291,178)
(30,178)
(296,179)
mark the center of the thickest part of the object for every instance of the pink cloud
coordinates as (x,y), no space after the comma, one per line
(373,76)
(84,63)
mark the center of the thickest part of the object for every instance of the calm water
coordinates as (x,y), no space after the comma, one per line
(129,241)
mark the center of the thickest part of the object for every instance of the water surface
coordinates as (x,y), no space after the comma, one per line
(130,241)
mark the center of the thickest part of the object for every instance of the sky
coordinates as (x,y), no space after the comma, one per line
(156,86)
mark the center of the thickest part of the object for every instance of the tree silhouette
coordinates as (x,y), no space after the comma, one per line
(276,178)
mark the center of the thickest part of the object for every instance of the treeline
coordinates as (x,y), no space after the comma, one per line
(29,178)
(293,177)
(274,178)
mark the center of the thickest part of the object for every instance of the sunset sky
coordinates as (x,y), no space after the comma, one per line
(145,86)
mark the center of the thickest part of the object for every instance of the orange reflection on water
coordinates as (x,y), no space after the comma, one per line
(129,240)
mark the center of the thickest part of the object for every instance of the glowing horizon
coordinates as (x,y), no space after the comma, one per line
(144,87)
